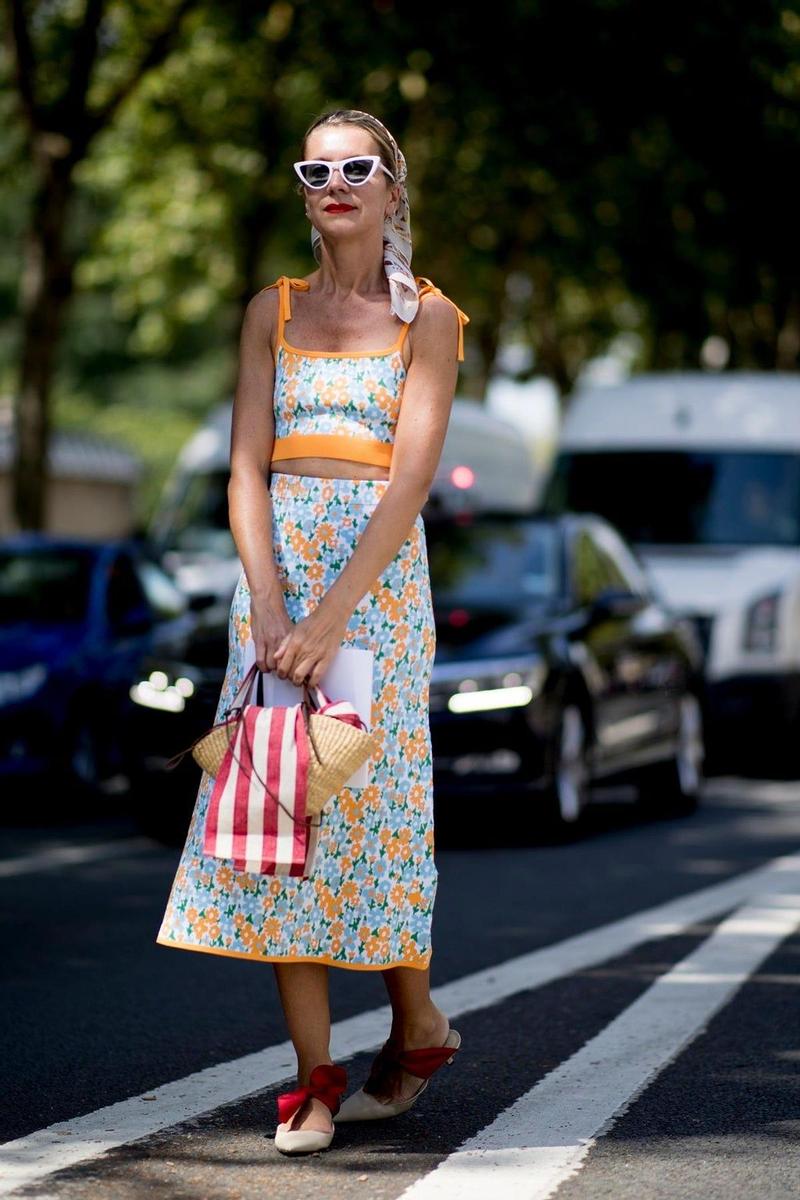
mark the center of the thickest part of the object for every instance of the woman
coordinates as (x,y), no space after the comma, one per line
(349,472)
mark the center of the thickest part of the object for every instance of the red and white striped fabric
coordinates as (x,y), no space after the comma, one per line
(244,823)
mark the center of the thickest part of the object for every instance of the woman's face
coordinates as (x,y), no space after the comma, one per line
(369,203)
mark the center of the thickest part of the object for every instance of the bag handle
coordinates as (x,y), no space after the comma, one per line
(226,722)
(310,703)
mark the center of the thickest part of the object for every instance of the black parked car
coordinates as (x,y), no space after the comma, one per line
(556,665)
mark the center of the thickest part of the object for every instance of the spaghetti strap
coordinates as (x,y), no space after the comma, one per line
(429,288)
(402,336)
(284,284)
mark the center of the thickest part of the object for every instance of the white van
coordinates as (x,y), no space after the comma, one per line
(485,465)
(701,472)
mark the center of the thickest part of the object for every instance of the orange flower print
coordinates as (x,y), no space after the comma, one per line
(388,603)
(368,900)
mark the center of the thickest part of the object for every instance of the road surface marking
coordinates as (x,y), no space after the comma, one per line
(83,1138)
(70,856)
(542,1139)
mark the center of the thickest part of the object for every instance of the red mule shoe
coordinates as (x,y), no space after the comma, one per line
(327,1083)
(363,1106)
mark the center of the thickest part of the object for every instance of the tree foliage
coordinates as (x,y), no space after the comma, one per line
(578,173)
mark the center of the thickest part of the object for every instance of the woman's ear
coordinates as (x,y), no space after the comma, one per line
(394,201)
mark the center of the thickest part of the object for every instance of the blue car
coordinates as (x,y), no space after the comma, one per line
(78,620)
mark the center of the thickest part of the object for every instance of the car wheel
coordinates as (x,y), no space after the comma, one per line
(84,761)
(81,759)
(569,790)
(676,784)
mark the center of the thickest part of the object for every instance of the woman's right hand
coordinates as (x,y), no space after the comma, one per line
(268,628)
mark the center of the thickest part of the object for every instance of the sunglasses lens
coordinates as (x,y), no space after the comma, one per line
(316,175)
(357,170)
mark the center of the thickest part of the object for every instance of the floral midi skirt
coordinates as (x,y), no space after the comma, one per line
(368,902)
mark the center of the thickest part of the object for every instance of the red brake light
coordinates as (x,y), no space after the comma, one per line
(462,477)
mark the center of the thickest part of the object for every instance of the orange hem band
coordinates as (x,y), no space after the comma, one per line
(332,445)
(325,959)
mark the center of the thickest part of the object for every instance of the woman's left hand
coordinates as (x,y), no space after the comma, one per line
(310,648)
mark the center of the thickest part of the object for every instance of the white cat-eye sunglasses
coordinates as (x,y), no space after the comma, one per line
(316,172)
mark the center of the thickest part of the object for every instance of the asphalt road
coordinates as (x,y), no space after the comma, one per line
(609,1050)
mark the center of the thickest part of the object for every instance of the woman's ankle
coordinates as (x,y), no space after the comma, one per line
(306,1065)
(418,1029)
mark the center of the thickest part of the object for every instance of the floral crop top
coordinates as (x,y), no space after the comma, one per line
(342,405)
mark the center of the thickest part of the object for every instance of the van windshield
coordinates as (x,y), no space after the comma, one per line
(195,520)
(684,497)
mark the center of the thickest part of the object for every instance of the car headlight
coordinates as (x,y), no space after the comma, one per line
(16,686)
(761,624)
(158,691)
(510,685)
(484,699)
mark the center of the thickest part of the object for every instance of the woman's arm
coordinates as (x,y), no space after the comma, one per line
(249,503)
(419,438)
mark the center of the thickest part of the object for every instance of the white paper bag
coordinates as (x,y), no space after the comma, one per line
(349,677)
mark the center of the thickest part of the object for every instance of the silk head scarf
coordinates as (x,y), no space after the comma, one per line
(397,247)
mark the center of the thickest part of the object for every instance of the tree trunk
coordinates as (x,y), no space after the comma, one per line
(45,288)
(60,135)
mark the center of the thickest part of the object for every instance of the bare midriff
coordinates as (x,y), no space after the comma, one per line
(326,468)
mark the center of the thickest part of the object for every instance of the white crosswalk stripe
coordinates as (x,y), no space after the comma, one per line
(528,1151)
(84,1138)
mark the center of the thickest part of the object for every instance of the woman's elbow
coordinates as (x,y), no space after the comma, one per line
(417,484)
(245,481)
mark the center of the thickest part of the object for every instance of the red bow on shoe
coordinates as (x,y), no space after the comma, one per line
(424,1062)
(327,1083)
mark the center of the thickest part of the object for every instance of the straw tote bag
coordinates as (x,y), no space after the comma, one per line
(276,763)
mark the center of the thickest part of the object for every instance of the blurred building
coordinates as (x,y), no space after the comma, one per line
(92,488)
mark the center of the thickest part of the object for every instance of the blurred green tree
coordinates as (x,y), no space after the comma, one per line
(73,66)
(580,179)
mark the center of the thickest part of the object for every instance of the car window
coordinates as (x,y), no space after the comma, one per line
(165,597)
(622,565)
(196,519)
(592,571)
(488,560)
(125,596)
(695,497)
(597,565)
(43,587)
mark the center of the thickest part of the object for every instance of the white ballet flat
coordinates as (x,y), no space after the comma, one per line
(327,1083)
(301,1141)
(363,1106)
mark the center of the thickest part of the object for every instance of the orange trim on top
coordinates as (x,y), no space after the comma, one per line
(332,445)
(431,289)
(346,353)
(285,283)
